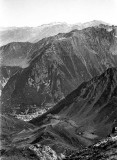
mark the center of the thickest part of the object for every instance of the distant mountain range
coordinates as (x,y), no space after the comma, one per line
(34,34)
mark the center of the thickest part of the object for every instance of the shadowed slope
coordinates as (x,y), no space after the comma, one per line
(86,115)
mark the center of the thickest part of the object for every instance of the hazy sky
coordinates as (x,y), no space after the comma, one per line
(37,12)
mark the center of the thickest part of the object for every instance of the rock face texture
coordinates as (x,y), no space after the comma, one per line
(39,75)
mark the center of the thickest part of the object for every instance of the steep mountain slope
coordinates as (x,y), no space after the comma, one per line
(84,117)
(54,66)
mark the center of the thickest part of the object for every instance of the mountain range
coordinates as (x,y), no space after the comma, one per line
(40,74)
(34,34)
(72,76)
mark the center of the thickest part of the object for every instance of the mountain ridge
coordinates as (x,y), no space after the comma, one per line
(34,34)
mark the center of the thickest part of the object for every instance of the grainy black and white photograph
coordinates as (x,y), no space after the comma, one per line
(58,79)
